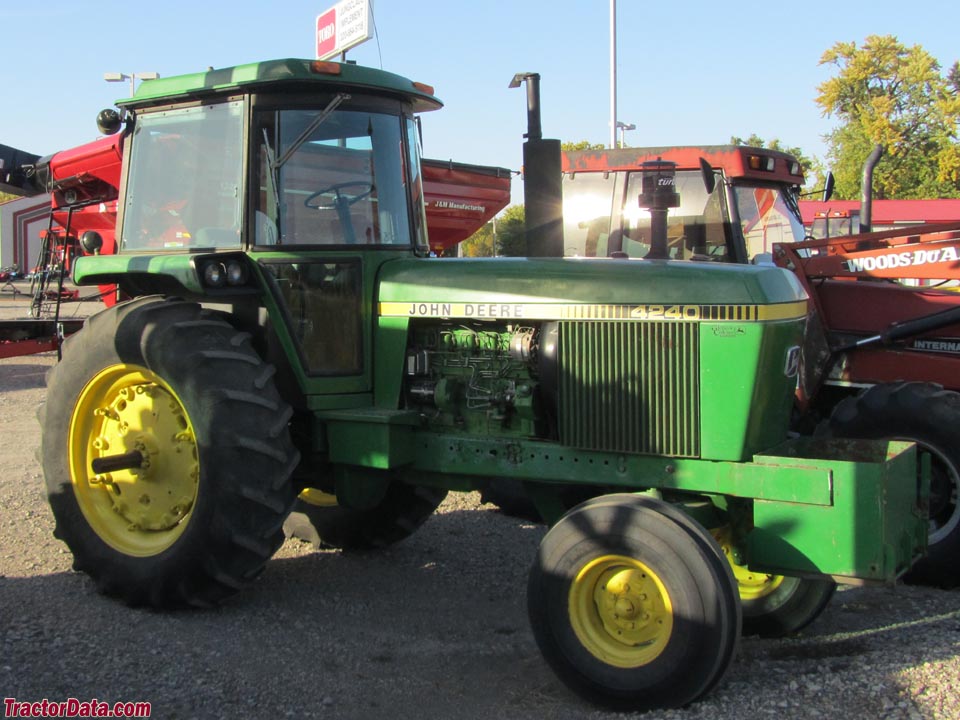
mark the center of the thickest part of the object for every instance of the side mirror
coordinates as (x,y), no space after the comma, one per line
(108,121)
(91,242)
(709,179)
(828,187)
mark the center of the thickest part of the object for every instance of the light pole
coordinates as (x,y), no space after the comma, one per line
(623,127)
(132,77)
(613,73)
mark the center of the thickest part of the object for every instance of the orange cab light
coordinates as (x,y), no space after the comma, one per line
(759,162)
(424,88)
(321,67)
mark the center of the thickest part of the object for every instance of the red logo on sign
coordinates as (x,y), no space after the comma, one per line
(327,32)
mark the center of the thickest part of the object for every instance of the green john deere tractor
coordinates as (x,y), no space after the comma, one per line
(286,335)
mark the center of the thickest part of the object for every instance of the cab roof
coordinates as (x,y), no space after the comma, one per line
(275,73)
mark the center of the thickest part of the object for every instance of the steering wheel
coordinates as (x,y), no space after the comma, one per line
(339,200)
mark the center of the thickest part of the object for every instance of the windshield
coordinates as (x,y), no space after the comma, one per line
(331,176)
(768,215)
(587,208)
(184,179)
(694,230)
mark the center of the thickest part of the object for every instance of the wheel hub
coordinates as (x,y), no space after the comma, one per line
(621,611)
(623,599)
(750,585)
(139,510)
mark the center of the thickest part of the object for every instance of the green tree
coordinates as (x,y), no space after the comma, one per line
(581,145)
(480,244)
(511,232)
(953,77)
(889,94)
(814,172)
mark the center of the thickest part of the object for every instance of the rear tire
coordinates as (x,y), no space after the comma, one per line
(774,606)
(783,605)
(928,415)
(630,607)
(201,515)
(402,511)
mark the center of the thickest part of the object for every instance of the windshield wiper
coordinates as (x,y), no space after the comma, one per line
(309,130)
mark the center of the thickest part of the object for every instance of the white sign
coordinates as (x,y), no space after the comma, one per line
(346,24)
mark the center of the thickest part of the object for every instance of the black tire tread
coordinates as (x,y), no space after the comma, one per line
(685,671)
(235,525)
(402,511)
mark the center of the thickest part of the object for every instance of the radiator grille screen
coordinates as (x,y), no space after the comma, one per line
(630,387)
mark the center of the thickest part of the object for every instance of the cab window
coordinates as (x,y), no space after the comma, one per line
(184,179)
(330,176)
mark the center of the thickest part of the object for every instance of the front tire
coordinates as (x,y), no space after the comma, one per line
(193,455)
(928,415)
(630,608)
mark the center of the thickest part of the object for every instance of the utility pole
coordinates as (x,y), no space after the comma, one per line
(613,73)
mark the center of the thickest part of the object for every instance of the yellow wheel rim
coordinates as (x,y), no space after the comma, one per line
(620,611)
(312,496)
(751,585)
(139,511)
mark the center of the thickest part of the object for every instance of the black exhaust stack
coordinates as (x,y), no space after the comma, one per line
(866,189)
(542,175)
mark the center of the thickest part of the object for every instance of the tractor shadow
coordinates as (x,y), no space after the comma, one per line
(23,375)
(434,626)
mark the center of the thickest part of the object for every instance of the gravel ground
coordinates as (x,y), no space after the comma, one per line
(434,627)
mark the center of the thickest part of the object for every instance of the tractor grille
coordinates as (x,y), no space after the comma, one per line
(630,387)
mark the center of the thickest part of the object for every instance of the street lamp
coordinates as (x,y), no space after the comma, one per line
(613,73)
(132,77)
(623,127)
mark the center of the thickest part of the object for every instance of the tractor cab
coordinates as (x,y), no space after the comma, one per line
(319,158)
(735,202)
(290,179)
(338,170)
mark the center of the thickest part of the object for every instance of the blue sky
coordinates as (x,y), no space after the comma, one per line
(688,73)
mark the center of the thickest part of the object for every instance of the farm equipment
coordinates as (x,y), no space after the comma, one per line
(82,183)
(735,202)
(288,336)
(835,218)
(882,356)
(460,199)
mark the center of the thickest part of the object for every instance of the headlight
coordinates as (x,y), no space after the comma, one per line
(237,273)
(214,274)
